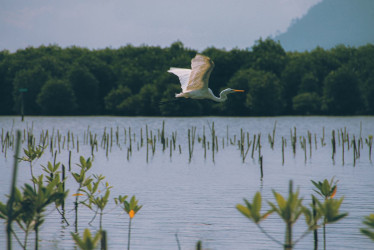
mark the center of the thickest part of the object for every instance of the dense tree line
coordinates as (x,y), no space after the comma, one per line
(134,81)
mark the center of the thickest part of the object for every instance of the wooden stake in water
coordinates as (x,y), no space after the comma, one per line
(262,172)
(343,140)
(369,142)
(69,160)
(163,136)
(354,150)
(213,140)
(63,188)
(253,146)
(294,140)
(310,144)
(333,143)
(283,142)
(146,140)
(103,240)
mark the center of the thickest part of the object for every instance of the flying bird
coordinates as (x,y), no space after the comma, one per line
(194,81)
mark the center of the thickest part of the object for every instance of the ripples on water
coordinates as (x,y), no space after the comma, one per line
(197,200)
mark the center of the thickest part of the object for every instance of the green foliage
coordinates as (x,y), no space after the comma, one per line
(97,199)
(326,189)
(87,242)
(252,210)
(131,208)
(263,92)
(341,92)
(32,153)
(330,210)
(29,206)
(83,181)
(84,165)
(269,56)
(306,104)
(86,89)
(115,98)
(57,98)
(33,80)
(133,80)
(290,209)
(369,222)
(128,206)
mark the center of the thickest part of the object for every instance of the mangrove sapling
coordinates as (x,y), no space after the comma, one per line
(34,202)
(52,174)
(329,210)
(131,208)
(326,189)
(369,222)
(312,218)
(289,211)
(95,202)
(82,181)
(20,215)
(87,242)
(31,154)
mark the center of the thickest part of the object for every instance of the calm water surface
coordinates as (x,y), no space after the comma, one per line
(196,200)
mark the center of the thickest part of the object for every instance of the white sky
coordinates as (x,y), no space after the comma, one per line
(96,24)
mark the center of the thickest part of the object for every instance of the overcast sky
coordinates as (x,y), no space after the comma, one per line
(96,24)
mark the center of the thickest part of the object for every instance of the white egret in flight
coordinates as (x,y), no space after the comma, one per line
(194,81)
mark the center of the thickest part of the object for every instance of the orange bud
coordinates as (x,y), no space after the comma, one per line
(333,192)
(78,194)
(131,214)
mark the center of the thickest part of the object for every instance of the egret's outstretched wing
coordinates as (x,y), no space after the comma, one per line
(183,74)
(201,66)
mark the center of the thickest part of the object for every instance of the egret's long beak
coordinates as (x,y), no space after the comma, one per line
(238,90)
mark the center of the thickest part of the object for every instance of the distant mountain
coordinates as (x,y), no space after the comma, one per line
(329,23)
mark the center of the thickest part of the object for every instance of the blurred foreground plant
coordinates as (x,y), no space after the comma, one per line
(289,210)
(88,242)
(369,221)
(29,207)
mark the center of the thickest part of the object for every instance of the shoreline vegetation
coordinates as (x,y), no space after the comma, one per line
(133,81)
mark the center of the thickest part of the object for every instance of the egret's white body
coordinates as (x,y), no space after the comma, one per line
(194,81)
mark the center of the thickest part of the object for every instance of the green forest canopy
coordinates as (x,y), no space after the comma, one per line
(133,81)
